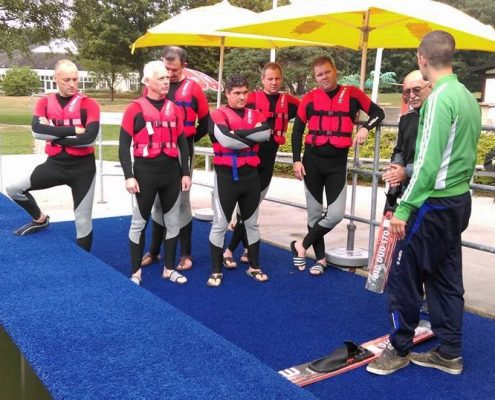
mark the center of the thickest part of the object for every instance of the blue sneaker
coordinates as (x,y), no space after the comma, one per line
(32,227)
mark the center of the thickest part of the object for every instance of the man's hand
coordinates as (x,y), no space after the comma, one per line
(395,175)
(186,183)
(299,171)
(398,228)
(45,121)
(80,130)
(360,136)
(132,186)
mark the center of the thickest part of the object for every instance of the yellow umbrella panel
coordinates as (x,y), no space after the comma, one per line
(200,27)
(363,24)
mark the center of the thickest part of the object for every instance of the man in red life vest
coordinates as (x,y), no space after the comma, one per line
(69,123)
(235,132)
(189,97)
(153,126)
(278,108)
(329,112)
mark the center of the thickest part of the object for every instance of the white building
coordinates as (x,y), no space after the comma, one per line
(42,60)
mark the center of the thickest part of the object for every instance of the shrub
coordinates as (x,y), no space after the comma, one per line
(20,81)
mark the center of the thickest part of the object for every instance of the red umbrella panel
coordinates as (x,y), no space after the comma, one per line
(206,82)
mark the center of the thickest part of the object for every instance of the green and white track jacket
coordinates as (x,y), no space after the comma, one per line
(448,134)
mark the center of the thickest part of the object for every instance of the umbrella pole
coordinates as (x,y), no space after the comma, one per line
(376,77)
(365,30)
(349,256)
(220,71)
(272,50)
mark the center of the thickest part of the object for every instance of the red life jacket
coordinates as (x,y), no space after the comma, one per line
(70,115)
(331,121)
(280,115)
(160,132)
(183,99)
(236,158)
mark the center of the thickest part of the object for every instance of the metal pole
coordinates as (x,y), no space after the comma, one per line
(374,189)
(376,76)
(1,169)
(100,162)
(351,227)
(220,71)
(272,51)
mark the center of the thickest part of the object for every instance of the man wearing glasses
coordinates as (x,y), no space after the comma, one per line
(414,93)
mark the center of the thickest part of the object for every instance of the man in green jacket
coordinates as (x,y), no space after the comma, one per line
(431,216)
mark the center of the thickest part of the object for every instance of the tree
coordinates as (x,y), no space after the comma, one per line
(106,71)
(21,81)
(105,29)
(24,22)
(387,80)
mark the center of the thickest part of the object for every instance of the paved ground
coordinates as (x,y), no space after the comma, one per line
(279,223)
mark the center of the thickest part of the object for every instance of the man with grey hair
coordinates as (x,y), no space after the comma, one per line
(415,91)
(431,216)
(69,123)
(152,126)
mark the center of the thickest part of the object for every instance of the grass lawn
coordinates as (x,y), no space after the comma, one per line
(15,125)
(15,139)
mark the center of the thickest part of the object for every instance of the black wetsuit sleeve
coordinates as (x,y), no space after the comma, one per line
(246,132)
(86,138)
(125,143)
(297,138)
(376,115)
(125,139)
(202,127)
(44,129)
(293,105)
(184,155)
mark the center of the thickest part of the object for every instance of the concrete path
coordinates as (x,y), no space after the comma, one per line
(279,224)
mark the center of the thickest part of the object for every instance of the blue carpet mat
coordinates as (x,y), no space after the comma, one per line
(289,320)
(89,333)
(295,318)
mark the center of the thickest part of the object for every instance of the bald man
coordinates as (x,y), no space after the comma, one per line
(415,91)
(68,122)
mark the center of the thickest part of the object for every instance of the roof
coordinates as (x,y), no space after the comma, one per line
(41,56)
(483,68)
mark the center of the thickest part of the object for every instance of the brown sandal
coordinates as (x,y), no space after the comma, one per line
(149,259)
(182,263)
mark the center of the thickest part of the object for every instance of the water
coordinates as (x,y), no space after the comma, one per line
(18,381)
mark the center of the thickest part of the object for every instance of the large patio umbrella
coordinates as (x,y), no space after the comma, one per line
(200,27)
(364,24)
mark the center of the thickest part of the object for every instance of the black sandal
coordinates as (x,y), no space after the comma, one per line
(318,269)
(215,279)
(257,275)
(299,262)
(229,263)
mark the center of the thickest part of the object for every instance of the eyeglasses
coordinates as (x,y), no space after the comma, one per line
(416,90)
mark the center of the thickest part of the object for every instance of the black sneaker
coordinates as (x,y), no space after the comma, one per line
(32,227)
(433,359)
(388,362)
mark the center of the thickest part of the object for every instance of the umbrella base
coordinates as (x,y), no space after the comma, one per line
(340,256)
(204,214)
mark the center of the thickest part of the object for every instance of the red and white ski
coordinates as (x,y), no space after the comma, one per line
(382,257)
(301,375)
